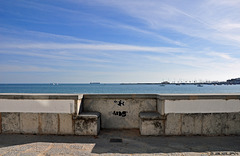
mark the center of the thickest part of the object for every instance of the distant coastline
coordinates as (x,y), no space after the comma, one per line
(235,81)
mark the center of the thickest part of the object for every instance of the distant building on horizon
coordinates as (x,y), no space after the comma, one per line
(234,81)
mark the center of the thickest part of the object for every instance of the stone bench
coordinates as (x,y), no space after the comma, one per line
(87,123)
(151,123)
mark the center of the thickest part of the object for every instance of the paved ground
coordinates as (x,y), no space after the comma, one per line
(109,143)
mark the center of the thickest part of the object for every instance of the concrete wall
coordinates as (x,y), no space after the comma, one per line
(209,124)
(200,103)
(181,114)
(37,103)
(202,106)
(37,123)
(119,111)
(37,106)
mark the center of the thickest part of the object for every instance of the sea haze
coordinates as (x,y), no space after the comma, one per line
(117,88)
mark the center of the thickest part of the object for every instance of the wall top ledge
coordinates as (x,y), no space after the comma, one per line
(22,96)
(164,96)
(199,96)
(117,96)
(123,96)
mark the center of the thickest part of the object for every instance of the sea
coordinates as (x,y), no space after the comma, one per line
(118,88)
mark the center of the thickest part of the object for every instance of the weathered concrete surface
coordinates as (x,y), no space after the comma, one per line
(173,124)
(29,123)
(24,96)
(66,124)
(132,144)
(152,127)
(161,106)
(212,124)
(151,115)
(48,123)
(233,124)
(191,124)
(120,113)
(151,123)
(10,122)
(202,105)
(87,123)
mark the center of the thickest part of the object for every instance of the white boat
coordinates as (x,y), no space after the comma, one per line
(94,82)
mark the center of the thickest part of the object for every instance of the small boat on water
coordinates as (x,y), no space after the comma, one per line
(94,82)
(53,84)
(199,85)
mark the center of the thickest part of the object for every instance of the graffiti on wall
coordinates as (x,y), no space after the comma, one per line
(120,103)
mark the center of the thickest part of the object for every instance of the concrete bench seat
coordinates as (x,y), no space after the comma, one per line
(150,115)
(87,123)
(151,123)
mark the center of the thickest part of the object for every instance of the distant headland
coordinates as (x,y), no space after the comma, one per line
(234,81)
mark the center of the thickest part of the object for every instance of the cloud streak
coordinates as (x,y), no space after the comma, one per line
(199,22)
(100,47)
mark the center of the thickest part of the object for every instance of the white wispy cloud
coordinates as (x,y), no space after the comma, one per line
(104,47)
(204,20)
(232,3)
(154,34)
(25,68)
(92,50)
(221,55)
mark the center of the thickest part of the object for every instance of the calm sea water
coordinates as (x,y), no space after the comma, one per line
(116,88)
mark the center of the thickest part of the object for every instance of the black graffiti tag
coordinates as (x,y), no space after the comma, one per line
(120,113)
(119,103)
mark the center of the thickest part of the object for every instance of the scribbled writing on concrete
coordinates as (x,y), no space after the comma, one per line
(120,113)
(119,103)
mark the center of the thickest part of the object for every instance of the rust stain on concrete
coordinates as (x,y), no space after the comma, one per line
(73,125)
(39,124)
(193,97)
(58,116)
(231,97)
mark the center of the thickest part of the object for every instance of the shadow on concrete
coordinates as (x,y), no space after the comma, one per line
(129,142)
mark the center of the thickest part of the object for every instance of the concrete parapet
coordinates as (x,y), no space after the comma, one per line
(212,124)
(208,115)
(10,122)
(202,106)
(29,123)
(232,125)
(40,103)
(206,124)
(191,124)
(151,123)
(48,123)
(87,123)
(173,124)
(161,106)
(119,113)
(36,123)
(66,125)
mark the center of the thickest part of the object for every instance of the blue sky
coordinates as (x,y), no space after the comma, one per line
(79,41)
